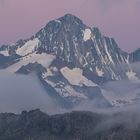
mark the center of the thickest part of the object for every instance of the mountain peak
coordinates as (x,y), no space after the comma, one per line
(64,49)
(70,18)
(68,15)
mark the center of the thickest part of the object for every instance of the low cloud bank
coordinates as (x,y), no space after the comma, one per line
(19,92)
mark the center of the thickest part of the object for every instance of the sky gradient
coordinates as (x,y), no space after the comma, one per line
(119,19)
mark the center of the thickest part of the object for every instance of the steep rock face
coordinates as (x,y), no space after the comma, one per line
(135,56)
(71,60)
(72,87)
(78,45)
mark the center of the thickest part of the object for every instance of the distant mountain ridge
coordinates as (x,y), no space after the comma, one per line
(36,125)
(71,59)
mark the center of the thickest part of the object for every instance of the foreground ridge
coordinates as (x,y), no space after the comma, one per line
(84,125)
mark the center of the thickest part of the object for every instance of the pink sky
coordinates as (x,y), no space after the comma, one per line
(115,18)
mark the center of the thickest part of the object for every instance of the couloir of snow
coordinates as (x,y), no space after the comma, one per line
(87,34)
(44,59)
(75,77)
(28,47)
(4,52)
(107,52)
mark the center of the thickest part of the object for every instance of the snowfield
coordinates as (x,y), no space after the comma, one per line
(44,59)
(28,47)
(75,77)
(4,52)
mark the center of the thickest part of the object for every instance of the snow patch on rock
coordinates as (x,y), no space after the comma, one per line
(28,47)
(87,34)
(100,72)
(48,73)
(65,90)
(75,77)
(44,59)
(4,52)
(132,75)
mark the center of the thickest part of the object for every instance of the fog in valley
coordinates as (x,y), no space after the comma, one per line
(20,92)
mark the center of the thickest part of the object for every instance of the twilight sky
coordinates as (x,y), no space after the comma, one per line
(115,18)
